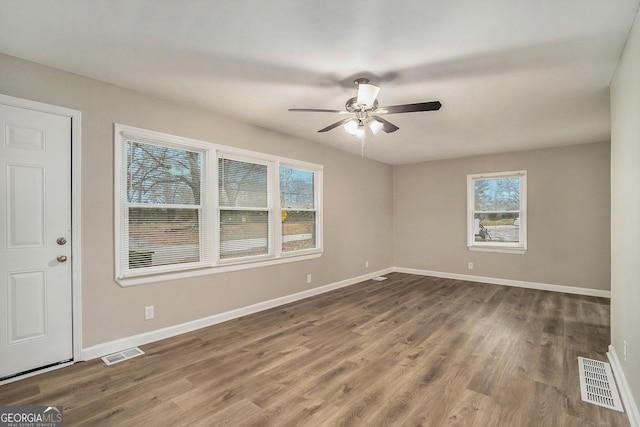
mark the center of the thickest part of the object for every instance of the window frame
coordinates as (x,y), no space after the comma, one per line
(210,262)
(317,187)
(500,247)
(226,155)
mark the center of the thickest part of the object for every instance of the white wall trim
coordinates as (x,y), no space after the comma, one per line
(76,192)
(623,387)
(150,278)
(103,349)
(508,282)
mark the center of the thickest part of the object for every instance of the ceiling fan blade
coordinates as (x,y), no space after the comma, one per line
(387,126)
(410,108)
(318,110)
(335,125)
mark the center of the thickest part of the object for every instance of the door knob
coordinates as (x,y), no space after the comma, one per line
(61,241)
(61,258)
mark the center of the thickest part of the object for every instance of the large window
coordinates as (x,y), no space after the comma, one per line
(161,205)
(195,207)
(497,212)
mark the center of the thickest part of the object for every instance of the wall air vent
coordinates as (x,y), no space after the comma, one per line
(122,355)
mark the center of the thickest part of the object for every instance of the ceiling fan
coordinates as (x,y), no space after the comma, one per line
(365,112)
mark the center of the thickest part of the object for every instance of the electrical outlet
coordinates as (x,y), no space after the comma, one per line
(148,312)
(366,264)
(470,266)
(308,278)
(624,350)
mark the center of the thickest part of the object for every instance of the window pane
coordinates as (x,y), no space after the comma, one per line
(298,230)
(497,194)
(497,227)
(296,188)
(157,174)
(242,184)
(243,233)
(163,237)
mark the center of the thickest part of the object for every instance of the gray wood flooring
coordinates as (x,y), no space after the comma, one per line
(407,351)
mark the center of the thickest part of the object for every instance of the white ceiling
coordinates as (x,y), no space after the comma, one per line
(511,75)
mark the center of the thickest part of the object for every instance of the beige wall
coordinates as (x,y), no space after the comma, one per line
(625,210)
(568,217)
(407,216)
(357,201)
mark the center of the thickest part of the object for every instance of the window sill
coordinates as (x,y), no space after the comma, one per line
(498,249)
(162,277)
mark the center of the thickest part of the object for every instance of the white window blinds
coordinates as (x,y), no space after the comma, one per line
(185,207)
(244,208)
(162,205)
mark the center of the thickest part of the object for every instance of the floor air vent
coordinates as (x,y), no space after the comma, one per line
(122,355)
(598,385)
(379,278)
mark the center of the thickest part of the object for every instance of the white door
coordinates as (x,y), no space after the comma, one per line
(35,240)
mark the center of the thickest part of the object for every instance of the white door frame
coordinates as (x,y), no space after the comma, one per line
(76,277)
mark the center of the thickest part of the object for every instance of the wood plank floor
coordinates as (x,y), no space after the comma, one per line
(407,351)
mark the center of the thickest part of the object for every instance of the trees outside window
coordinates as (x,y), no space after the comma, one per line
(163,205)
(183,204)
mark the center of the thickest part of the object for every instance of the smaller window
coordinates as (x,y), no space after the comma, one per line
(496,212)
(298,208)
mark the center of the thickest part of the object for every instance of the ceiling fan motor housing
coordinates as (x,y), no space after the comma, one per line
(352,106)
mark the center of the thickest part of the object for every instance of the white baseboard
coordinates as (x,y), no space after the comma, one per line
(623,387)
(508,282)
(104,349)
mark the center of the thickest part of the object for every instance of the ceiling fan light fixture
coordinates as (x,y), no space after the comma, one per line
(351,126)
(367,94)
(366,113)
(375,125)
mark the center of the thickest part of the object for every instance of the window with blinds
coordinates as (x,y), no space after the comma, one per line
(298,205)
(162,206)
(243,199)
(497,214)
(171,219)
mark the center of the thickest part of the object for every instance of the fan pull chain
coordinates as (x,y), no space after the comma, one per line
(362,149)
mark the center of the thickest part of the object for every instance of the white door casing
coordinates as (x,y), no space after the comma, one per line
(36,291)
